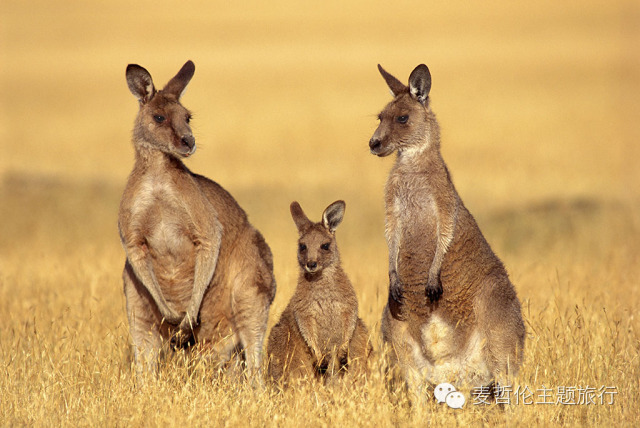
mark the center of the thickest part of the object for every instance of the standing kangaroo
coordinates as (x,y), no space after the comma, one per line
(452,315)
(319,333)
(196,269)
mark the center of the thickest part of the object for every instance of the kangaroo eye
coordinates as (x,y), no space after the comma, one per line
(302,248)
(402,119)
(158,118)
(188,118)
(325,246)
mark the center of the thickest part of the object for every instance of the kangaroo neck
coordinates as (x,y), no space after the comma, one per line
(424,159)
(150,159)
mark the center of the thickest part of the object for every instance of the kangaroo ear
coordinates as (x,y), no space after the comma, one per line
(178,84)
(140,83)
(420,83)
(299,217)
(333,215)
(396,86)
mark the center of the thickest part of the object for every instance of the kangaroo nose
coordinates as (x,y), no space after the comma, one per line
(374,143)
(188,140)
(312,265)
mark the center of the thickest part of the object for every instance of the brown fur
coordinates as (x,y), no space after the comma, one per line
(196,269)
(319,332)
(453,315)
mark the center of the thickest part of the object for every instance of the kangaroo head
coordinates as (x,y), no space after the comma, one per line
(162,122)
(404,121)
(317,248)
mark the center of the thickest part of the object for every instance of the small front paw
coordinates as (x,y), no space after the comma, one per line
(174,318)
(188,323)
(395,290)
(434,289)
(183,335)
(181,339)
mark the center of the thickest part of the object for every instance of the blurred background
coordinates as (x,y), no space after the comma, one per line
(539,108)
(538,104)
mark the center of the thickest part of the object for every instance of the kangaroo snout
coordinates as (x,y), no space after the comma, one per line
(188,143)
(375,146)
(379,144)
(311,266)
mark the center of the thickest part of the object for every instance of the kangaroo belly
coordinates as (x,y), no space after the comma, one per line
(173,255)
(332,332)
(414,223)
(416,252)
(454,357)
(327,325)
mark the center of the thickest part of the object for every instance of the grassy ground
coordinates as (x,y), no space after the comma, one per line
(538,110)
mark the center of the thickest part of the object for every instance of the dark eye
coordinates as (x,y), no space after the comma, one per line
(402,119)
(188,118)
(302,248)
(158,118)
(325,246)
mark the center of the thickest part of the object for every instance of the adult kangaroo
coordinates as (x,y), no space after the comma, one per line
(452,314)
(196,269)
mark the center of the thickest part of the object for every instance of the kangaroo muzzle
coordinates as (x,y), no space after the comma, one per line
(311,267)
(187,145)
(375,145)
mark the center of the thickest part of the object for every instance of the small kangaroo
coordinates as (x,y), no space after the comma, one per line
(452,315)
(196,268)
(319,333)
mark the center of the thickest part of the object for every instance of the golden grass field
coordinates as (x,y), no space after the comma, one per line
(538,104)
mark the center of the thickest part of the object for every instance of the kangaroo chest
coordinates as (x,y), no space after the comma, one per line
(165,223)
(410,199)
(325,321)
(411,224)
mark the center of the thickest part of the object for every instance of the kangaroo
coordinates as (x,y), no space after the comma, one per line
(195,267)
(452,314)
(319,334)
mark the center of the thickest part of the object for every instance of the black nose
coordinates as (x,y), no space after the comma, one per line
(374,144)
(188,140)
(312,265)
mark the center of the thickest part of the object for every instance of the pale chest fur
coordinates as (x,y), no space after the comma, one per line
(162,214)
(164,222)
(411,220)
(326,317)
(409,200)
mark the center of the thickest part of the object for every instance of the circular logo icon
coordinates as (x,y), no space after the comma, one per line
(455,400)
(441,391)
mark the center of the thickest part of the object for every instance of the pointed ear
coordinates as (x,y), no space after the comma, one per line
(299,217)
(333,215)
(396,86)
(140,83)
(420,83)
(178,84)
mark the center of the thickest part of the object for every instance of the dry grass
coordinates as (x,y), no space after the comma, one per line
(539,110)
